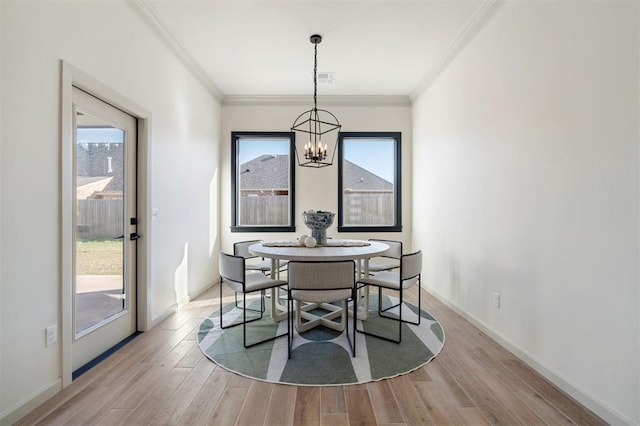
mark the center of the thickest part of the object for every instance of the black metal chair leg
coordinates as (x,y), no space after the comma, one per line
(354,297)
(222,326)
(262,306)
(244,319)
(289,328)
(245,322)
(400,313)
(399,319)
(419,300)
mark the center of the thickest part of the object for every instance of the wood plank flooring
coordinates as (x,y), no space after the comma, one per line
(162,378)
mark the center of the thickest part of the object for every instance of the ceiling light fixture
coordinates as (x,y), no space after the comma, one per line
(316,123)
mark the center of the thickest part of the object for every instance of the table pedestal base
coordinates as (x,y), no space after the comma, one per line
(313,320)
(363,304)
(278,310)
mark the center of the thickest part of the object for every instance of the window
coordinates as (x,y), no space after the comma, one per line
(262,176)
(369,182)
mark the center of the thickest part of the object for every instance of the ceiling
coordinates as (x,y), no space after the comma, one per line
(262,48)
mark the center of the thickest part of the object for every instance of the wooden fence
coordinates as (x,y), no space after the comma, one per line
(368,209)
(264,210)
(100,218)
(104,218)
(359,209)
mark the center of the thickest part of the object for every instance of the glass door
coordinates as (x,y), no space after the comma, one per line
(104,306)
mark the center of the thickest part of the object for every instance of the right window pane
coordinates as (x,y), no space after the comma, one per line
(369,182)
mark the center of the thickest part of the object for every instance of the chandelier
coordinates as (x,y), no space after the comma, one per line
(315,124)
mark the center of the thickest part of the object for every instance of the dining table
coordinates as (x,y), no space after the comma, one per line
(359,251)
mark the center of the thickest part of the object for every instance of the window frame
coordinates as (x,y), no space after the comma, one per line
(235,227)
(397,199)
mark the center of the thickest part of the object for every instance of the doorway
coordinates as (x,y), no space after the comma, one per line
(104,215)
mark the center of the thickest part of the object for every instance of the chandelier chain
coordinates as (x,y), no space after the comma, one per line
(315,76)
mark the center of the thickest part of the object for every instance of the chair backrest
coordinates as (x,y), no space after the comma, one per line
(411,265)
(241,248)
(232,268)
(395,248)
(329,275)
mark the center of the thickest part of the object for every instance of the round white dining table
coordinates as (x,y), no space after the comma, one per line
(357,250)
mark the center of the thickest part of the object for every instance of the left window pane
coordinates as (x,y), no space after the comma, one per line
(262,182)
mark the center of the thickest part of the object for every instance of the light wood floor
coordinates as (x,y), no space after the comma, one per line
(161,377)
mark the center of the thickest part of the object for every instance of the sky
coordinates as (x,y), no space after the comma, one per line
(100,134)
(374,155)
(252,149)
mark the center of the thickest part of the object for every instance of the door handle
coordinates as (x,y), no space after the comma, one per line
(134,236)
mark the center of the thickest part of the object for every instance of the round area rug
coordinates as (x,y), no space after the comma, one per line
(321,356)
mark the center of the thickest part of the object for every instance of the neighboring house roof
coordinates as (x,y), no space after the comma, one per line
(271,172)
(87,186)
(267,172)
(103,160)
(357,179)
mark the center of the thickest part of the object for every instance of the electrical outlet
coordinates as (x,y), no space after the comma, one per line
(496,300)
(51,334)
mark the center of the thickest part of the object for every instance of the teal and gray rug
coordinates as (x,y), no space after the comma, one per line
(321,356)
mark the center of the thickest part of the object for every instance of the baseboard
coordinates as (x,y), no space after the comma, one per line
(203,290)
(176,306)
(163,316)
(582,396)
(30,403)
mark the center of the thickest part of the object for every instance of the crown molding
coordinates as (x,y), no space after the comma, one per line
(469,31)
(477,21)
(302,100)
(151,17)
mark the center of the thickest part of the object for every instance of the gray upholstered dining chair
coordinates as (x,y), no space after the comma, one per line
(388,260)
(233,273)
(409,275)
(322,282)
(255,263)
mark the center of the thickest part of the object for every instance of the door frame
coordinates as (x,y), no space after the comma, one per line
(71,76)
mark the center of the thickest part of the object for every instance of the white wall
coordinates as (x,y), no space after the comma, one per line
(315,188)
(526,184)
(1,209)
(110,42)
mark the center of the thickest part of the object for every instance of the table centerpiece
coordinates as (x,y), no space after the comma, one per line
(318,222)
